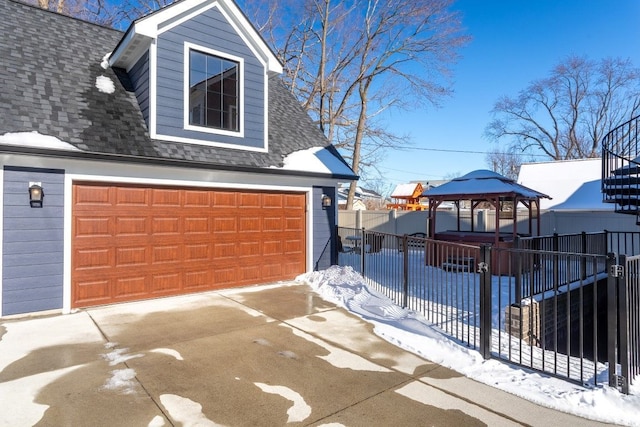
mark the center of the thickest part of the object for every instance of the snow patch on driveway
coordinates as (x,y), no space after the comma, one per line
(168,352)
(19,396)
(341,358)
(186,411)
(60,330)
(299,411)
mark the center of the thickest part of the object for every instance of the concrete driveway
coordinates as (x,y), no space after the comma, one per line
(263,356)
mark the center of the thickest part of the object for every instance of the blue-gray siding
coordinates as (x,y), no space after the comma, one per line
(211,30)
(139,75)
(33,242)
(324,225)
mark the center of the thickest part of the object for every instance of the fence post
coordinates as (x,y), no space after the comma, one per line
(485,301)
(556,268)
(363,239)
(612,318)
(623,310)
(583,259)
(405,272)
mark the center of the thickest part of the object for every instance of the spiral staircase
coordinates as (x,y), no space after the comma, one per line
(621,168)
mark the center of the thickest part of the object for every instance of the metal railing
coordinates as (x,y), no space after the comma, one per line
(626,293)
(620,167)
(549,312)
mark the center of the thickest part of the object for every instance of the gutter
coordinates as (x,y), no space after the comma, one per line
(159,161)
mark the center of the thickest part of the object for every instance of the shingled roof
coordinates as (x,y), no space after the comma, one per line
(49,66)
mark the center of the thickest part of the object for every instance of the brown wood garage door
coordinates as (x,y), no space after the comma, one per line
(135,242)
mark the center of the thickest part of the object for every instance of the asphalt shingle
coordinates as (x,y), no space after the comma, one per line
(48,84)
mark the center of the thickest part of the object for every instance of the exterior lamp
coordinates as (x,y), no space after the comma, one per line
(36,194)
(326,201)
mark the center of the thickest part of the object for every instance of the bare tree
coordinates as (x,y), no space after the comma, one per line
(349,62)
(505,163)
(566,114)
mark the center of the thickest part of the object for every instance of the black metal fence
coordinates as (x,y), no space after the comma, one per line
(555,312)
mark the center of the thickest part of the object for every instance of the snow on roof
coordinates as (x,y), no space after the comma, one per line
(573,184)
(480,182)
(105,84)
(316,159)
(35,140)
(404,190)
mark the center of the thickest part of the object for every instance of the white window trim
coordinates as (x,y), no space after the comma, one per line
(187,48)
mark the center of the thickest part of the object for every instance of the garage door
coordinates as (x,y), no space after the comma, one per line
(135,242)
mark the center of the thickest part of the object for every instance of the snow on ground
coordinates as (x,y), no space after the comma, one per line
(410,331)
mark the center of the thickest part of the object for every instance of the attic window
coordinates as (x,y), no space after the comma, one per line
(214,91)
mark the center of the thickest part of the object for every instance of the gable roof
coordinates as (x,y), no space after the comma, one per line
(52,82)
(143,31)
(481,183)
(411,190)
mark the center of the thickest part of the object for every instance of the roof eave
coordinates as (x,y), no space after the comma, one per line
(158,161)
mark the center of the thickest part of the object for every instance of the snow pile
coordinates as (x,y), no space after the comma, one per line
(122,380)
(409,330)
(105,61)
(105,84)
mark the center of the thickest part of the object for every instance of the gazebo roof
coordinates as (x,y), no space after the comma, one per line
(480,184)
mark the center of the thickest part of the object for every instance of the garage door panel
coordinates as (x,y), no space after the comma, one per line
(272,201)
(165,225)
(248,200)
(249,225)
(92,291)
(225,199)
(98,258)
(131,225)
(92,226)
(165,254)
(196,279)
(197,252)
(193,225)
(165,197)
(127,288)
(225,225)
(85,197)
(193,198)
(167,283)
(131,196)
(132,242)
(131,256)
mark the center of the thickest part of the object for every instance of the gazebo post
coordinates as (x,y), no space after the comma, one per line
(496,205)
(514,217)
(537,201)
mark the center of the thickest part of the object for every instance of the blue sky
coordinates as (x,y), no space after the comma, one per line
(514,42)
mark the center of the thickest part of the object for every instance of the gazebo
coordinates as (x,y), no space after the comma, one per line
(485,188)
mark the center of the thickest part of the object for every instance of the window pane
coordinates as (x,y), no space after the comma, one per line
(214,67)
(213,93)
(197,68)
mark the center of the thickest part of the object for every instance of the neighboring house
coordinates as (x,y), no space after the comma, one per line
(171,158)
(571,184)
(406,197)
(363,199)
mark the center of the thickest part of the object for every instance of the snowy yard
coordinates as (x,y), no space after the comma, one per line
(410,330)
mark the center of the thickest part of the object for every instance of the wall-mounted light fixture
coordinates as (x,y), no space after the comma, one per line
(326,201)
(36,194)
